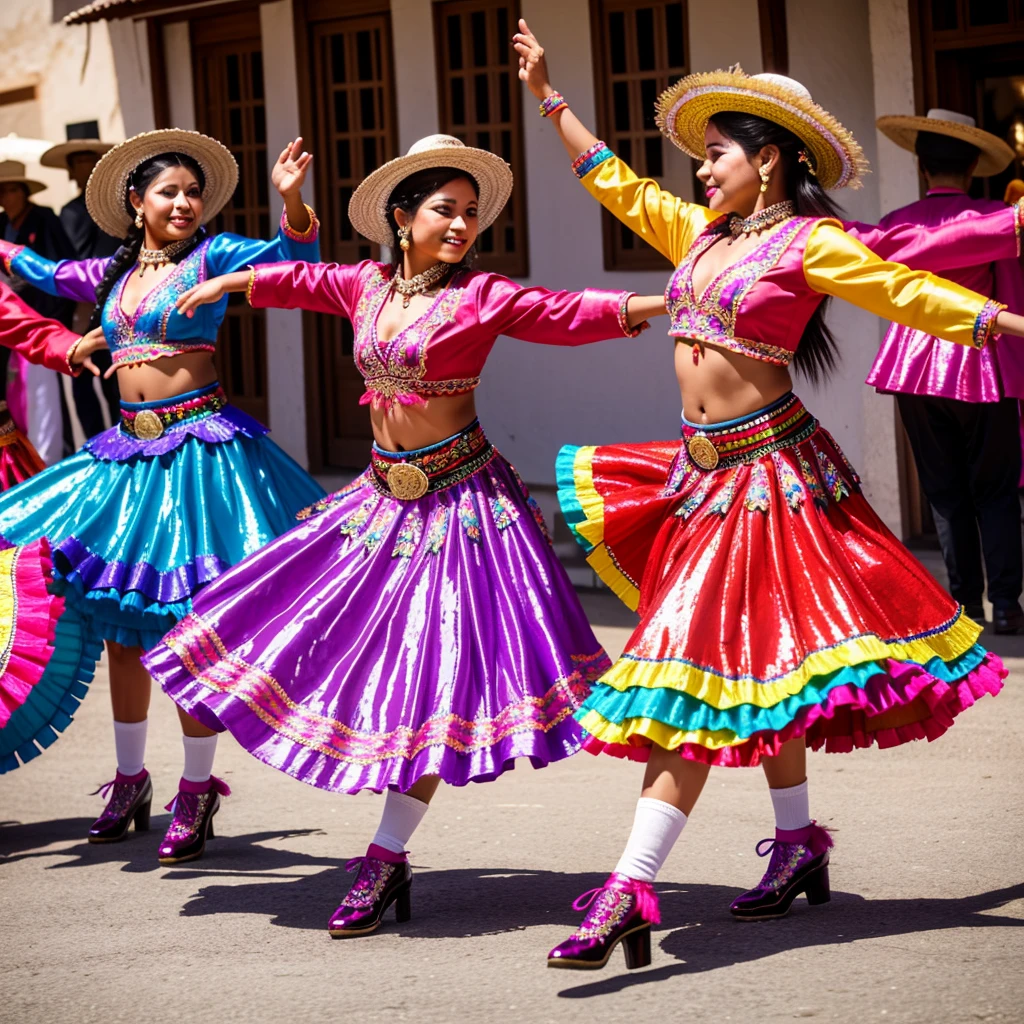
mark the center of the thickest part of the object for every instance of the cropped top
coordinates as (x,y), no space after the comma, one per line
(760,305)
(444,351)
(41,341)
(156,329)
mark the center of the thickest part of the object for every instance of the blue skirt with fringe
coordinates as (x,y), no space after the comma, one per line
(140,519)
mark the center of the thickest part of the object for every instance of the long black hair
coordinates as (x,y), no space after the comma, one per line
(139,181)
(818,353)
(412,192)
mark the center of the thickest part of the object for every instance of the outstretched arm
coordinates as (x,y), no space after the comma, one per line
(67,279)
(664,221)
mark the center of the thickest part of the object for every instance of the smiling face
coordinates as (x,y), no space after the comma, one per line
(730,177)
(444,227)
(172,206)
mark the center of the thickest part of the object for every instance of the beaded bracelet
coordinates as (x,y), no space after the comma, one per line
(623,314)
(1018,222)
(309,235)
(551,103)
(249,287)
(591,158)
(985,323)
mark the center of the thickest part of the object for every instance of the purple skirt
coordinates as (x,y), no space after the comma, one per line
(416,623)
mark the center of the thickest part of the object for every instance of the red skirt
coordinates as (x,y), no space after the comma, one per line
(18,458)
(774,602)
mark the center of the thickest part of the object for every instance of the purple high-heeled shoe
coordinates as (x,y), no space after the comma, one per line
(622,910)
(194,808)
(131,797)
(799,864)
(384,878)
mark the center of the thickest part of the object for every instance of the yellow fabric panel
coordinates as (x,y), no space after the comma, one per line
(657,732)
(836,264)
(662,220)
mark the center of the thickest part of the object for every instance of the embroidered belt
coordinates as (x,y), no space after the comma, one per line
(722,445)
(148,420)
(409,475)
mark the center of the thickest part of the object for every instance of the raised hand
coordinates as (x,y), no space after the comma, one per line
(81,354)
(533,68)
(289,173)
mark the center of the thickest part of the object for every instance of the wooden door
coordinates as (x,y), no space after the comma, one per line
(227,70)
(349,102)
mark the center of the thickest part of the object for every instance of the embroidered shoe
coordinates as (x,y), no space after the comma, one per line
(380,883)
(799,864)
(194,808)
(622,910)
(131,797)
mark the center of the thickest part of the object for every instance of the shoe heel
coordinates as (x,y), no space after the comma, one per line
(141,818)
(209,829)
(818,890)
(403,904)
(637,947)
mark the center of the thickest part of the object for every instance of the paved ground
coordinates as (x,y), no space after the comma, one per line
(924,925)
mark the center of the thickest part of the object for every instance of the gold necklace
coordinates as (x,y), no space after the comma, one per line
(160,257)
(420,284)
(762,220)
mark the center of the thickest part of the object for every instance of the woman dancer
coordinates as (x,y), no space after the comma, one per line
(185,486)
(772,598)
(418,626)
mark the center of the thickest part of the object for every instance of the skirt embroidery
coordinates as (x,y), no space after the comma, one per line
(469,516)
(757,499)
(724,497)
(409,535)
(438,529)
(791,486)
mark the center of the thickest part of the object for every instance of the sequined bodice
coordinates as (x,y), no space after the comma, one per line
(144,335)
(720,314)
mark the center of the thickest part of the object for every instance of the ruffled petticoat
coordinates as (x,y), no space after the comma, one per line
(774,602)
(141,518)
(386,638)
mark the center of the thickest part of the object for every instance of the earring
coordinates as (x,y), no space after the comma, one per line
(138,219)
(403,238)
(765,176)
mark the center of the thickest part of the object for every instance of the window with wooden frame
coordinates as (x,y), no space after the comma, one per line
(640,49)
(481,104)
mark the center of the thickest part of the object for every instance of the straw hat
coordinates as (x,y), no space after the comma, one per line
(902,129)
(684,109)
(367,209)
(57,156)
(107,188)
(14,171)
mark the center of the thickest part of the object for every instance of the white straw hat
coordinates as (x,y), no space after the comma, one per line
(107,189)
(367,209)
(902,129)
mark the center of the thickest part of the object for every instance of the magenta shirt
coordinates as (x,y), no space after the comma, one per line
(915,363)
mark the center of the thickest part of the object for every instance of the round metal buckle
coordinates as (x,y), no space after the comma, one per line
(148,426)
(407,482)
(702,451)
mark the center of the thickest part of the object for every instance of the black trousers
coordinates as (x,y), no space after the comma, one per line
(87,405)
(968,457)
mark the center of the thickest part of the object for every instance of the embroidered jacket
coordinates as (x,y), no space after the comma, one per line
(156,329)
(443,352)
(760,305)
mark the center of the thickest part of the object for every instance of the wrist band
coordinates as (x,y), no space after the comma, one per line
(551,103)
(249,286)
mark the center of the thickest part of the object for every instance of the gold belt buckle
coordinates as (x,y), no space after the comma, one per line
(407,482)
(148,426)
(703,451)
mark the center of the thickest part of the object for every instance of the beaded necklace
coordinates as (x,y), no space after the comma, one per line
(762,220)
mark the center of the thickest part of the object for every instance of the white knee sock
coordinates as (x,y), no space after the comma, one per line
(402,814)
(199,754)
(656,828)
(130,746)
(792,807)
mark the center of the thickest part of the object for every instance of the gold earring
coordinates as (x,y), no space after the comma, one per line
(403,238)
(138,219)
(765,176)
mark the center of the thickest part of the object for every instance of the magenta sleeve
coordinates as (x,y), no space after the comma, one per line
(317,287)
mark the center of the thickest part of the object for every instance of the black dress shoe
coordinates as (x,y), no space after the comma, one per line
(975,610)
(1008,621)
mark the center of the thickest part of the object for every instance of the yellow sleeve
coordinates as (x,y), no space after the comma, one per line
(836,264)
(662,220)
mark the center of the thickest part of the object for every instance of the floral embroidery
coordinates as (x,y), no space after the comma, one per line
(351,524)
(438,529)
(724,497)
(382,519)
(531,503)
(503,512)
(696,498)
(677,473)
(332,499)
(792,489)
(834,483)
(757,491)
(469,517)
(409,535)
(813,487)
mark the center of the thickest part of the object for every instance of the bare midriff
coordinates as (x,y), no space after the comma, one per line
(408,427)
(166,377)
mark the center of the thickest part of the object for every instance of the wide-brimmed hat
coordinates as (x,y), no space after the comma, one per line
(903,128)
(57,156)
(14,171)
(684,109)
(368,207)
(107,188)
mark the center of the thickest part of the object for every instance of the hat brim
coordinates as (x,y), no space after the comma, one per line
(31,184)
(684,110)
(107,189)
(368,207)
(996,155)
(57,156)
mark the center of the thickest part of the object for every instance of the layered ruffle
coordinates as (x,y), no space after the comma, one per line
(18,461)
